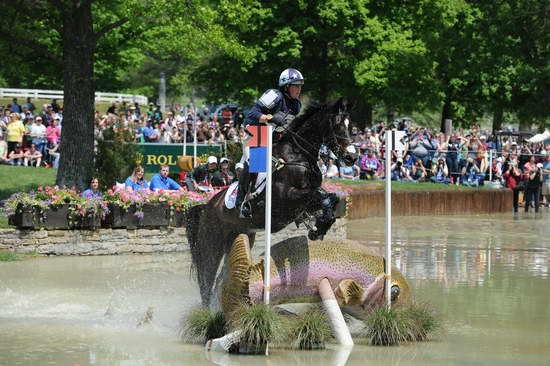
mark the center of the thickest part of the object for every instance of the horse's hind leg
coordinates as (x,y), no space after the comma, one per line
(328,202)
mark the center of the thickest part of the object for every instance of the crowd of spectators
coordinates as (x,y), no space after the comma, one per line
(30,136)
(469,157)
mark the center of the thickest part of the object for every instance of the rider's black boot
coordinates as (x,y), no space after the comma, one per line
(245,210)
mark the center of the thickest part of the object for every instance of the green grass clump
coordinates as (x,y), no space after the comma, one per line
(259,324)
(407,186)
(9,256)
(311,330)
(203,324)
(423,321)
(411,323)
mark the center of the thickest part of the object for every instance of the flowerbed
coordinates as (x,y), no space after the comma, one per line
(56,207)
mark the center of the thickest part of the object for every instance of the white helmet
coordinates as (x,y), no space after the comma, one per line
(291,76)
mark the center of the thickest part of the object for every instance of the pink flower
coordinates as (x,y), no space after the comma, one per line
(40,188)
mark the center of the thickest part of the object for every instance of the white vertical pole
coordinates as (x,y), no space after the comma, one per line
(389,148)
(194,137)
(491,165)
(267,258)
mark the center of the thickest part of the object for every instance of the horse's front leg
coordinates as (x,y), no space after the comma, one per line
(327,202)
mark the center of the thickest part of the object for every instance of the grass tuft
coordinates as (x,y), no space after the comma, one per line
(9,256)
(259,324)
(311,330)
(411,323)
(203,324)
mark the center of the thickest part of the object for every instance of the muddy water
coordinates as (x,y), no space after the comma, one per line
(487,275)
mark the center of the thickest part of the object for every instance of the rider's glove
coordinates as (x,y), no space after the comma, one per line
(279,118)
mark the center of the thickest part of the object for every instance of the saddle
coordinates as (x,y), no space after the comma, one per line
(231,193)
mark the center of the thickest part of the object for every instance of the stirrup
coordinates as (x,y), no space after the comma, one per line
(245,210)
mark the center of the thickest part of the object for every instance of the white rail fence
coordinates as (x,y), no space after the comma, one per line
(58,94)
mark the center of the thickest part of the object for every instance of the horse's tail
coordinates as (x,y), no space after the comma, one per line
(193,227)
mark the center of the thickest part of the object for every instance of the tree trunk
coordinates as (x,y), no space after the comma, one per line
(498,115)
(77,136)
(446,113)
(361,113)
(390,116)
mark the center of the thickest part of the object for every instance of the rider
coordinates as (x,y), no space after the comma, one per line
(277,106)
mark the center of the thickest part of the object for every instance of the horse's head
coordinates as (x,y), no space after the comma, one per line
(339,121)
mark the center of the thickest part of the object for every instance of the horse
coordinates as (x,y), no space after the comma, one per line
(296,193)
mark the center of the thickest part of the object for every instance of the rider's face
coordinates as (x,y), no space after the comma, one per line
(294,91)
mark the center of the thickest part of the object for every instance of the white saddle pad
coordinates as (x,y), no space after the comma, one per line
(231,193)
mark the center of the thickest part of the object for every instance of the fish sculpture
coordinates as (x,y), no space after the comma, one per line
(298,265)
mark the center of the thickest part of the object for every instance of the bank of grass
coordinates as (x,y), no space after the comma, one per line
(10,256)
(21,179)
(407,186)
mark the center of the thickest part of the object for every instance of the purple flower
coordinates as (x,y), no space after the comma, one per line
(139,214)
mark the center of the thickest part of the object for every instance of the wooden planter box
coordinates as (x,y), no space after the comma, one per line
(53,217)
(179,219)
(153,216)
(90,222)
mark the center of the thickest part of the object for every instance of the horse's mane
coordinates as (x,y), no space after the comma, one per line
(302,119)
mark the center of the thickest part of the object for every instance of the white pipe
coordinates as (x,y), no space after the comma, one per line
(490,166)
(194,137)
(267,257)
(389,148)
(337,322)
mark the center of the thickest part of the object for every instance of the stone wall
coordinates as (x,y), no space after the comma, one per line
(120,241)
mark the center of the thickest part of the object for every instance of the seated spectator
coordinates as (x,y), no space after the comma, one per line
(332,169)
(322,167)
(3,151)
(137,181)
(54,154)
(15,157)
(162,181)
(496,169)
(349,172)
(200,178)
(399,172)
(419,173)
(470,174)
(440,172)
(369,165)
(93,191)
(223,177)
(33,157)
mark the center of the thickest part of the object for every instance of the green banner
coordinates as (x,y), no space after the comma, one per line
(152,156)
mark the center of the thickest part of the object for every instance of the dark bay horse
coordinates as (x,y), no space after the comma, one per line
(296,193)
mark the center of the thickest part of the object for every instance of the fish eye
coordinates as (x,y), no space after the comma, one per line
(395,292)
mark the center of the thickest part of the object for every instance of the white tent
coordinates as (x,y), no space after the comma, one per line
(540,137)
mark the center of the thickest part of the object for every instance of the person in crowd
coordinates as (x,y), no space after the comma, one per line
(322,167)
(440,172)
(38,135)
(29,105)
(161,180)
(16,156)
(15,130)
(546,181)
(149,133)
(223,177)
(54,106)
(332,169)
(3,151)
(418,172)
(496,169)
(452,158)
(238,169)
(32,157)
(369,165)
(349,171)
(470,174)
(512,177)
(136,180)
(93,190)
(399,172)
(54,154)
(165,136)
(420,147)
(15,107)
(53,132)
(200,178)
(532,187)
